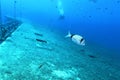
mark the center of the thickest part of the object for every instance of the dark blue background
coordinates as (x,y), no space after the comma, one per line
(97,20)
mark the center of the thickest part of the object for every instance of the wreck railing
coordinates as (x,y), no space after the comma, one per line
(6,29)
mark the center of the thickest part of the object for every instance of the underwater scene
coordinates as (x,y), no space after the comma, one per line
(59,39)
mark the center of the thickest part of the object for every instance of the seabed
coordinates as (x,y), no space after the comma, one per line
(30,53)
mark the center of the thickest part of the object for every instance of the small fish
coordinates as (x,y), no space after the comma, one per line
(76,38)
(38,34)
(39,40)
(92,56)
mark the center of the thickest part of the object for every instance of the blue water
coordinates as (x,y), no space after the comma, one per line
(98,21)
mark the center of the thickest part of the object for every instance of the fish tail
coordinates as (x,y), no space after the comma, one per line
(68,35)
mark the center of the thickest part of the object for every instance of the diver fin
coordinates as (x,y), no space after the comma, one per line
(62,17)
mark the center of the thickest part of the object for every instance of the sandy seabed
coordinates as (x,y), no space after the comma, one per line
(43,54)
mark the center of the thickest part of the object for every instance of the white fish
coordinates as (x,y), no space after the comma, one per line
(76,38)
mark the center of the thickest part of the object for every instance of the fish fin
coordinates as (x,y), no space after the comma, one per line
(68,35)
